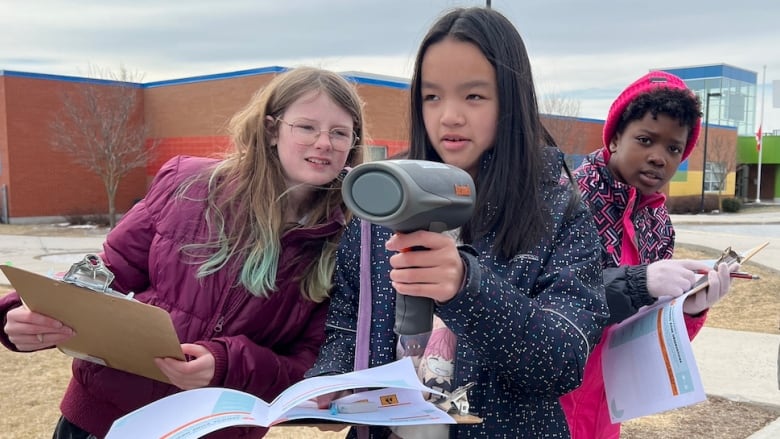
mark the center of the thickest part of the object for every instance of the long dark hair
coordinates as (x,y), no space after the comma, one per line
(509,180)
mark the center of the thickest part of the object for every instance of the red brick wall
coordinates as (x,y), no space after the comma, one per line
(387,120)
(4,168)
(192,118)
(717,139)
(198,109)
(585,137)
(41,181)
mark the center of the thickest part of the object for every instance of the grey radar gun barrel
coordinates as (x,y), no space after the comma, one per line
(406,196)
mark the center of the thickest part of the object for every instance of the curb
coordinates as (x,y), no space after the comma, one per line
(771,431)
(688,222)
(707,249)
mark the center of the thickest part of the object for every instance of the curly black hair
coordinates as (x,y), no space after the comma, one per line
(681,105)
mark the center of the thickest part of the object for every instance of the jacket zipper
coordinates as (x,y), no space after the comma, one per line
(227,311)
(219,325)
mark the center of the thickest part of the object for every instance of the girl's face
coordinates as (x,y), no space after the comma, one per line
(306,161)
(647,153)
(459,102)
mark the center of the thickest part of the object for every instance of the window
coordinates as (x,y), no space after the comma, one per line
(373,153)
(715,177)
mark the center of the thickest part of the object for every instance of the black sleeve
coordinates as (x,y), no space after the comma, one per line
(626,289)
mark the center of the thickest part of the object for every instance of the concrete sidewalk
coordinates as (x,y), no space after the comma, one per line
(45,254)
(737,365)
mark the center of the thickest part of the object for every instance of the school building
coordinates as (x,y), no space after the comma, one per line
(729,98)
(190,116)
(183,116)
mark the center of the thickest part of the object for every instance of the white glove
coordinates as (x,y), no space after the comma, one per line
(719,284)
(672,277)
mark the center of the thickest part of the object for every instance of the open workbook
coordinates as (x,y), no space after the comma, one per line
(396,398)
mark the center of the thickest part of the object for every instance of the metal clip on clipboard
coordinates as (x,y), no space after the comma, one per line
(457,402)
(92,273)
(730,257)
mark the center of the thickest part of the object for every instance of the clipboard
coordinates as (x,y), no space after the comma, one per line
(730,257)
(111,329)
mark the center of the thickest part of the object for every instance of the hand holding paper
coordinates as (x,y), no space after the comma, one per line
(648,364)
(719,284)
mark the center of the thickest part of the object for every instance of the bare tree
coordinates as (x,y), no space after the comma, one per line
(101,127)
(559,113)
(722,161)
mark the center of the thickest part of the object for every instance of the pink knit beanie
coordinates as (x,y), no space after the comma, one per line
(642,85)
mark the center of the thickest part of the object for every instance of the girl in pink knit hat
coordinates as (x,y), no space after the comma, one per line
(651,128)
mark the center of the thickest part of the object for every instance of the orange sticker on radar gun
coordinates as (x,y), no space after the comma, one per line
(462,190)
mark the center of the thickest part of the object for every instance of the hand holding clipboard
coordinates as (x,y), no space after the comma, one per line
(110,328)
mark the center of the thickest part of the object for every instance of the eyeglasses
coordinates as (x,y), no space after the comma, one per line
(305,133)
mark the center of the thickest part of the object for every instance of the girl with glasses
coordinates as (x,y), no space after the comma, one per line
(239,251)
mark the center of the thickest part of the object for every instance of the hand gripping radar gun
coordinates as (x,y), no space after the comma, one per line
(406,196)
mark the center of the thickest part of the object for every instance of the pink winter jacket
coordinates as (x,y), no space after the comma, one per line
(634,230)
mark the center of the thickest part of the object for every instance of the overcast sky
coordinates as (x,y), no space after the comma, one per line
(585,50)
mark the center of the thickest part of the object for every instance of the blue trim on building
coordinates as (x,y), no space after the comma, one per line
(715,71)
(714,125)
(355,78)
(578,119)
(365,80)
(217,76)
(76,79)
(590,120)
